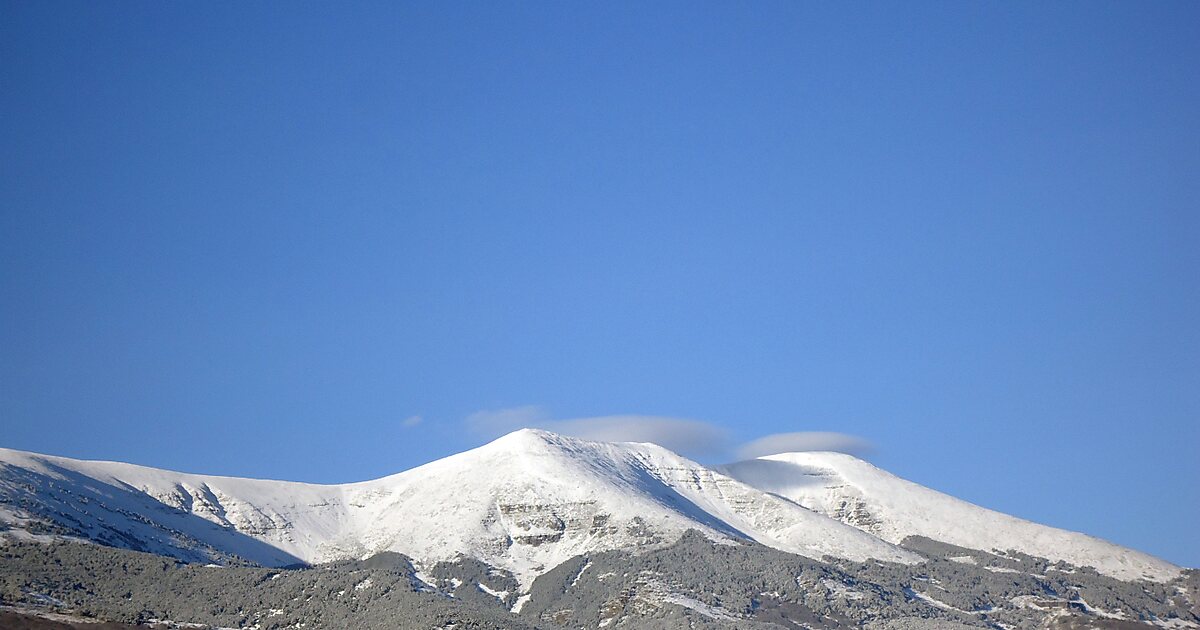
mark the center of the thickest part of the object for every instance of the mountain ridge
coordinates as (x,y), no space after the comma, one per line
(525,502)
(861,494)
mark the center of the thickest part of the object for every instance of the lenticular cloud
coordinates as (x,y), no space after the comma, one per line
(804,441)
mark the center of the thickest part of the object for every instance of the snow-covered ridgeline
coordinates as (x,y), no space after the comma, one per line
(857,493)
(525,502)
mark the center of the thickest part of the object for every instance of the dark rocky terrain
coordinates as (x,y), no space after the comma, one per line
(694,583)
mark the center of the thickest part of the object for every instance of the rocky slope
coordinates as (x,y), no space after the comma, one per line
(694,583)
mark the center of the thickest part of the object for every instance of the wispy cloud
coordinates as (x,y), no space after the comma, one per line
(411,421)
(693,438)
(804,441)
(687,437)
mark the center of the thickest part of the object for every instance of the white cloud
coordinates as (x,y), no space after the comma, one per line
(804,441)
(687,437)
(411,421)
(693,438)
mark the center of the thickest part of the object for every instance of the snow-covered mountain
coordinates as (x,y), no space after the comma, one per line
(526,503)
(857,493)
(533,499)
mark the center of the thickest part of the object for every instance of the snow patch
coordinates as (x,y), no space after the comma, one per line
(838,589)
(500,595)
(912,594)
(520,603)
(580,574)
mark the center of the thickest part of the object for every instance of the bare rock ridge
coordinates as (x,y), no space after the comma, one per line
(526,503)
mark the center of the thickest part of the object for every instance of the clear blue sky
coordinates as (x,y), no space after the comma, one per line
(257,238)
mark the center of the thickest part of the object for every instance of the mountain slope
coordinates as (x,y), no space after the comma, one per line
(859,494)
(533,499)
(525,502)
(191,517)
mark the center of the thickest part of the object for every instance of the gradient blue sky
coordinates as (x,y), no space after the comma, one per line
(258,238)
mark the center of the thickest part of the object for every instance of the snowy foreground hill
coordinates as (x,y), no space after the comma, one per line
(513,515)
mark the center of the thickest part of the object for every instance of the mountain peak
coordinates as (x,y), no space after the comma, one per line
(529,434)
(527,440)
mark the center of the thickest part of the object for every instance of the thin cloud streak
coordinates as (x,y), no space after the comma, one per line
(804,441)
(687,437)
(692,438)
